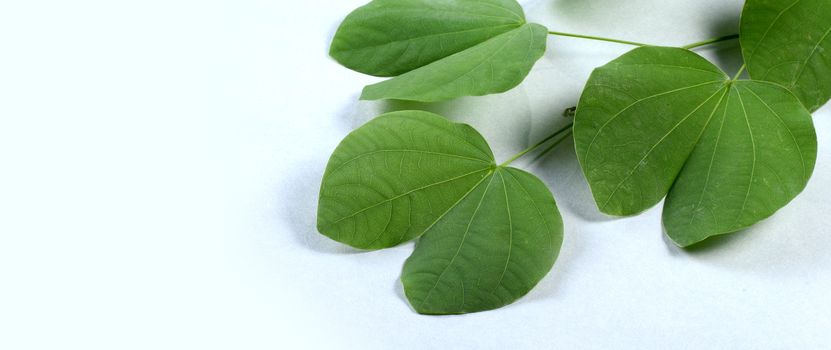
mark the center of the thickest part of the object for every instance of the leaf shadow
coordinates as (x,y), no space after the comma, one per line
(706,246)
(561,171)
(727,54)
(580,9)
(504,120)
(299,210)
(398,289)
(741,241)
(573,247)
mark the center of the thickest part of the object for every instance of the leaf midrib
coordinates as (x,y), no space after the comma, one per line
(767,31)
(726,89)
(790,132)
(455,78)
(363,155)
(804,65)
(358,48)
(464,236)
(410,192)
(753,167)
(612,118)
(712,159)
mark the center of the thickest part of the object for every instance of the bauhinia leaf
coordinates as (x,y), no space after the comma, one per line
(489,233)
(391,37)
(393,178)
(501,239)
(495,66)
(789,42)
(756,154)
(439,49)
(664,120)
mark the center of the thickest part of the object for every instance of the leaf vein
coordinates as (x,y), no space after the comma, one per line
(461,244)
(753,167)
(602,127)
(364,155)
(407,193)
(638,164)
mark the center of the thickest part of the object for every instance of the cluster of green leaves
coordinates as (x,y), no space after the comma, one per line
(656,122)
(488,233)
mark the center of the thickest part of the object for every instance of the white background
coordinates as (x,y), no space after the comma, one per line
(160,162)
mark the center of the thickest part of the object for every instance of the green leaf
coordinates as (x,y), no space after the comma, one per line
(500,240)
(756,154)
(789,42)
(490,233)
(391,179)
(664,120)
(392,37)
(495,66)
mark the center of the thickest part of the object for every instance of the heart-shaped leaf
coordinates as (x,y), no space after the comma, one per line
(732,152)
(789,42)
(490,233)
(439,49)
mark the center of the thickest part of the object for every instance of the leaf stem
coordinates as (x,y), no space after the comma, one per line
(626,42)
(566,128)
(552,147)
(741,70)
(597,38)
(711,41)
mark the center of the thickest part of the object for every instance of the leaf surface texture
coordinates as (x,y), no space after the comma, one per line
(488,233)
(664,121)
(788,42)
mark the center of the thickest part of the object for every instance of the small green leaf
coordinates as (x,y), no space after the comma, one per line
(392,37)
(489,233)
(495,66)
(789,42)
(732,152)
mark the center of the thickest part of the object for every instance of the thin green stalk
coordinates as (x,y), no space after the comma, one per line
(711,41)
(552,147)
(537,145)
(741,70)
(597,38)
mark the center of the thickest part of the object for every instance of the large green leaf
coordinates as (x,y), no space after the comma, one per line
(439,49)
(500,240)
(391,37)
(789,42)
(756,154)
(391,179)
(664,120)
(497,65)
(490,233)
